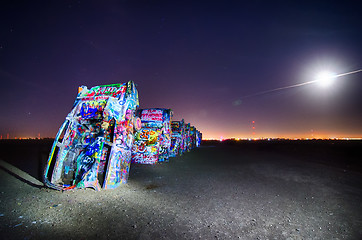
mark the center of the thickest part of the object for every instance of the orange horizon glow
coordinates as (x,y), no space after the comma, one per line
(206,136)
(249,137)
(217,135)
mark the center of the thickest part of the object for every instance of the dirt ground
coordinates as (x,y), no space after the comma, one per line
(249,190)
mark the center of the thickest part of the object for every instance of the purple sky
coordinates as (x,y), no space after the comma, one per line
(199,58)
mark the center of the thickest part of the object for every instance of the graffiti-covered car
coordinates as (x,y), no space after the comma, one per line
(152,143)
(193,137)
(177,138)
(198,138)
(93,146)
(188,141)
(146,147)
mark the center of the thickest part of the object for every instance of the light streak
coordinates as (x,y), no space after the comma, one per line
(297,85)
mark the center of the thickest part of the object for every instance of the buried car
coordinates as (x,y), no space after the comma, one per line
(198,138)
(93,146)
(152,143)
(188,140)
(177,138)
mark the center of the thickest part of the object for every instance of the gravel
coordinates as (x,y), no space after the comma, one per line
(214,192)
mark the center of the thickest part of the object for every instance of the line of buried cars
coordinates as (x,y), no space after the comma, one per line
(160,138)
(105,131)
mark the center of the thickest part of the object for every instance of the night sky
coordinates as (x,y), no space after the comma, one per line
(200,58)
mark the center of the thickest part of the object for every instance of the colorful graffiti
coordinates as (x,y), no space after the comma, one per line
(104,132)
(177,138)
(188,140)
(155,121)
(146,148)
(198,138)
(152,115)
(93,146)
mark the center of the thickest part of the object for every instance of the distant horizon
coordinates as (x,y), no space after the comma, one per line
(216,139)
(292,139)
(311,134)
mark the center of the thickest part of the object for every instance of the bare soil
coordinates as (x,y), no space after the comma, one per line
(229,190)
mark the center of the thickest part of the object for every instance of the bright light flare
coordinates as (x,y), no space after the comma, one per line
(325,79)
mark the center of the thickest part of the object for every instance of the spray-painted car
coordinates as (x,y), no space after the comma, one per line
(93,145)
(188,141)
(177,138)
(198,138)
(146,147)
(152,143)
(193,137)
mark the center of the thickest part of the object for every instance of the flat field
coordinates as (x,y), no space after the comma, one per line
(222,190)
